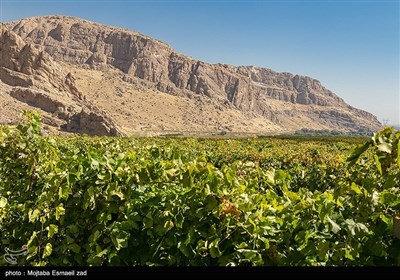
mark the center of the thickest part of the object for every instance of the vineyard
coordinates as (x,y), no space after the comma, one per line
(273,201)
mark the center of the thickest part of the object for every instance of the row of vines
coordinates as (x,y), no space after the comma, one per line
(175,202)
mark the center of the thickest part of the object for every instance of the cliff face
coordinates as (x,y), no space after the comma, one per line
(30,78)
(255,92)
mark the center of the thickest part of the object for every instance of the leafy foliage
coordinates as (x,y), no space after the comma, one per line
(115,201)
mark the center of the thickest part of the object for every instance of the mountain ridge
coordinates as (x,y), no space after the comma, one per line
(255,92)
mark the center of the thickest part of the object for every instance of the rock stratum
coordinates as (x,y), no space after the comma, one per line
(96,79)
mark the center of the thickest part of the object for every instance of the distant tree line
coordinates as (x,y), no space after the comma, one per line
(326,132)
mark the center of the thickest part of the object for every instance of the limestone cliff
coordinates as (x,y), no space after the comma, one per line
(30,78)
(284,99)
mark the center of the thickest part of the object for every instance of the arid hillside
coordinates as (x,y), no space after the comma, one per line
(122,82)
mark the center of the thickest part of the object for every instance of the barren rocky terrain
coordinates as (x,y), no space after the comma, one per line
(90,78)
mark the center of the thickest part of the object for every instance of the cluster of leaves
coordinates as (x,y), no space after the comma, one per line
(113,201)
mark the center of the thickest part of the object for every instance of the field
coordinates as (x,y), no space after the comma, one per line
(326,201)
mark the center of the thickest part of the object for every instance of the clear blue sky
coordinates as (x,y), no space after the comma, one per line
(352,47)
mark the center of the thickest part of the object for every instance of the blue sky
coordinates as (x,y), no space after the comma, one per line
(352,47)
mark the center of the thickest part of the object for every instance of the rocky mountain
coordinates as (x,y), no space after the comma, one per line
(30,78)
(143,84)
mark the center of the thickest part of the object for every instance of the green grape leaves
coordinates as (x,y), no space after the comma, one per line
(79,200)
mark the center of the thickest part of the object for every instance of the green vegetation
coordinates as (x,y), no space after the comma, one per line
(325,132)
(123,201)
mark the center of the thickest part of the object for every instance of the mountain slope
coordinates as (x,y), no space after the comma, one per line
(217,96)
(29,78)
